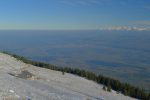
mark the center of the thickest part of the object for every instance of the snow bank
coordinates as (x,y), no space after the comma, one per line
(45,84)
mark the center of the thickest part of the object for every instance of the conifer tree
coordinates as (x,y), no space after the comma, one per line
(104,88)
(109,88)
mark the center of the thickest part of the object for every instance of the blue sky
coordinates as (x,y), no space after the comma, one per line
(73,14)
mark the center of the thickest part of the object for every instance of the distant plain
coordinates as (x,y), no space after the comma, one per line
(123,55)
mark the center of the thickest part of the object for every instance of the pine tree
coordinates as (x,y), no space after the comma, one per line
(125,92)
(148,97)
(109,88)
(63,73)
(104,88)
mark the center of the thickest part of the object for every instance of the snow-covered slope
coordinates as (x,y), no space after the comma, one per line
(20,81)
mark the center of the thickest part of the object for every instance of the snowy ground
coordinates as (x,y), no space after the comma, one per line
(47,84)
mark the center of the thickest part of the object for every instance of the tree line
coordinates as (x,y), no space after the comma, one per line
(111,83)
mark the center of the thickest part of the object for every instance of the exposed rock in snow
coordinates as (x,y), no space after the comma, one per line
(20,81)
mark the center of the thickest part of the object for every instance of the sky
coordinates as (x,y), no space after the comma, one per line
(75,14)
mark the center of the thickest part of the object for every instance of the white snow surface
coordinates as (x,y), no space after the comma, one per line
(47,84)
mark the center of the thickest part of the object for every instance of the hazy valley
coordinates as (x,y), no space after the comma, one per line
(118,54)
